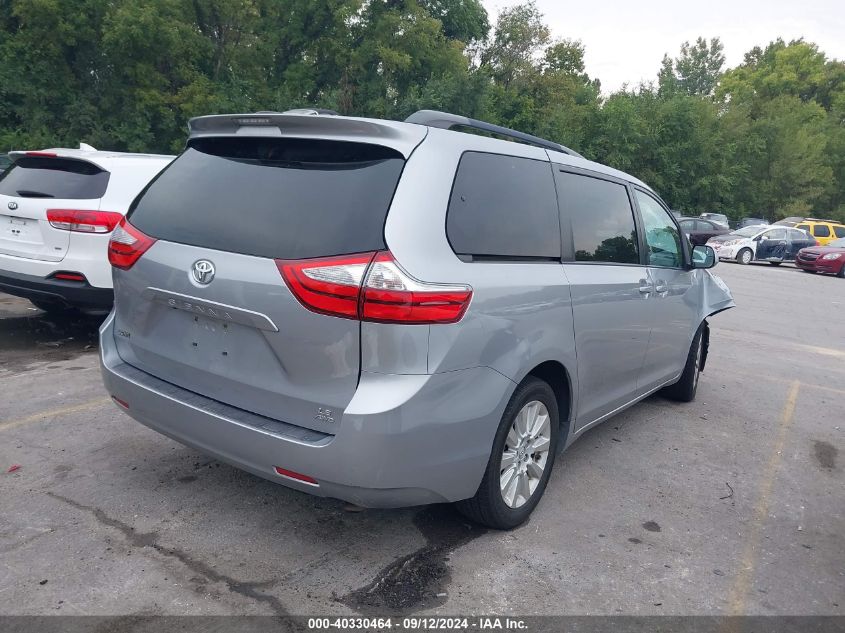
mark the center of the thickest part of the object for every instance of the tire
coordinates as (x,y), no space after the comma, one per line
(841,273)
(53,307)
(489,506)
(809,271)
(684,390)
(744,256)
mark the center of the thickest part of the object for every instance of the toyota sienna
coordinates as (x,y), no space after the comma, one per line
(398,313)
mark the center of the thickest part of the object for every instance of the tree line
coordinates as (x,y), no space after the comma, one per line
(766,138)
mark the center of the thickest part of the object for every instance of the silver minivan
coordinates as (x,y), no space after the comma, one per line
(398,313)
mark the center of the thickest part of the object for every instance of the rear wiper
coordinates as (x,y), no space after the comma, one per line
(28,193)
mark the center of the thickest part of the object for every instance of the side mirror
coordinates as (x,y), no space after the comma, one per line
(703,256)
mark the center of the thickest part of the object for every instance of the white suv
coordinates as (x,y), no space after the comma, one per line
(58,208)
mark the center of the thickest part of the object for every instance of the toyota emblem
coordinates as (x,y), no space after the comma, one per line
(203,272)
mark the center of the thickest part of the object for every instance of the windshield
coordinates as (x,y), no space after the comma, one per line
(748,231)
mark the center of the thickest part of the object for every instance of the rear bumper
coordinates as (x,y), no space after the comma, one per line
(403,440)
(73,293)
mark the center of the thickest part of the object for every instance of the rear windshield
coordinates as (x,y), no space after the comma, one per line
(40,177)
(279,198)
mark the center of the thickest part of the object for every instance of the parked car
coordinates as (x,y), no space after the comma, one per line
(823,259)
(791,221)
(698,231)
(774,244)
(288,300)
(751,222)
(718,218)
(824,231)
(57,210)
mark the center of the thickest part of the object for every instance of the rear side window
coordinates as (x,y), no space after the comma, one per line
(839,231)
(797,235)
(503,207)
(41,177)
(271,197)
(821,230)
(603,228)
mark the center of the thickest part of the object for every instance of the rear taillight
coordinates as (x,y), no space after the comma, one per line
(392,295)
(372,287)
(330,285)
(127,244)
(81,221)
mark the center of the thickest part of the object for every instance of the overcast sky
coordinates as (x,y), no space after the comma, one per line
(625,41)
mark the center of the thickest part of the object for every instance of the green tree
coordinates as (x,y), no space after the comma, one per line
(700,66)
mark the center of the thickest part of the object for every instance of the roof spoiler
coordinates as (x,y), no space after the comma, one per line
(308,124)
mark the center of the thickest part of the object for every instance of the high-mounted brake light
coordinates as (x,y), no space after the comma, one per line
(127,244)
(372,287)
(42,154)
(82,221)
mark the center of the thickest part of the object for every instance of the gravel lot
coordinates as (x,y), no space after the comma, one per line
(732,504)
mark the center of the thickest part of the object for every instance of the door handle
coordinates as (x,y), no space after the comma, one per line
(645,287)
(660,287)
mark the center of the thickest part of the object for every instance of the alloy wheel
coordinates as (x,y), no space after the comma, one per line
(526,454)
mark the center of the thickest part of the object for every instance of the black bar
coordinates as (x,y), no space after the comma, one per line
(447,121)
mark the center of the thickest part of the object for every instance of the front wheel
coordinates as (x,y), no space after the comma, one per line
(745,256)
(521,462)
(684,390)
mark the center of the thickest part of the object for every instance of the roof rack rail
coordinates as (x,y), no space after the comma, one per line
(447,121)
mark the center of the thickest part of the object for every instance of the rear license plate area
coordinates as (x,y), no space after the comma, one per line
(19,229)
(210,339)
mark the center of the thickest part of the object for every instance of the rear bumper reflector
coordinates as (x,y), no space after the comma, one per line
(120,403)
(70,276)
(305,479)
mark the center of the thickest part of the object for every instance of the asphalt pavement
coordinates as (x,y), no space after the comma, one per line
(733,504)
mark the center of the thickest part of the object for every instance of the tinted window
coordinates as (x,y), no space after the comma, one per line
(34,177)
(839,231)
(803,227)
(602,221)
(821,230)
(798,236)
(280,198)
(661,235)
(503,206)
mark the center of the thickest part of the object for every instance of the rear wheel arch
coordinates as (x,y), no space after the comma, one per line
(555,374)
